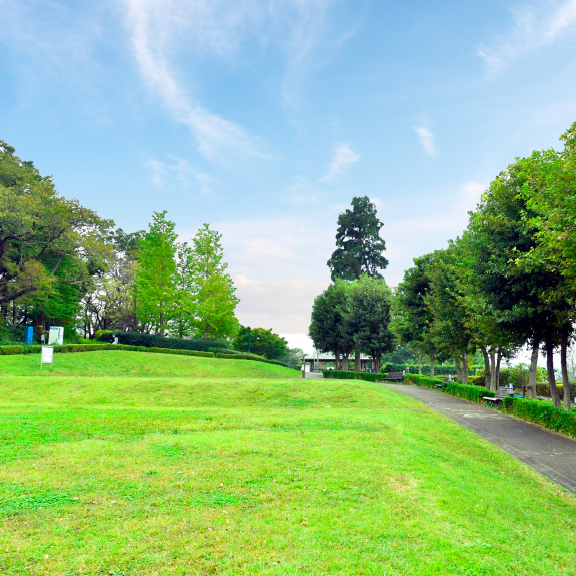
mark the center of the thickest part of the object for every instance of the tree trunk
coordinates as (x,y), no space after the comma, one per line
(431,364)
(41,325)
(497,372)
(458,365)
(564,367)
(493,381)
(487,373)
(345,361)
(357,366)
(550,370)
(532,392)
(376,362)
(464,367)
(337,361)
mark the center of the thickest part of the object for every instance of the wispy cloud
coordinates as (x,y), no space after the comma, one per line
(180,175)
(344,157)
(535,27)
(162,30)
(426,139)
(154,26)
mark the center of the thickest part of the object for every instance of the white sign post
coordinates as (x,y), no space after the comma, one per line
(47,356)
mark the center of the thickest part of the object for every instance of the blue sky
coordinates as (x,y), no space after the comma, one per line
(264,118)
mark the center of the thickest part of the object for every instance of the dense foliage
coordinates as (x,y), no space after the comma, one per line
(61,264)
(508,281)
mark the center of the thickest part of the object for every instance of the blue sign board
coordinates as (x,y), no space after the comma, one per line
(28,335)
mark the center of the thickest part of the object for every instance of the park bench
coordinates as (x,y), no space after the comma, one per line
(394,376)
(502,392)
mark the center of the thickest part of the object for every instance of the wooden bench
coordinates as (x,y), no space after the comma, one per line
(439,385)
(394,376)
(502,392)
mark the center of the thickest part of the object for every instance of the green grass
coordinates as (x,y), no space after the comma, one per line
(120,363)
(160,475)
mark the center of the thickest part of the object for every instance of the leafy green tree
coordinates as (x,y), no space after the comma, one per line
(41,233)
(449,331)
(263,342)
(412,317)
(208,289)
(368,317)
(156,276)
(327,329)
(359,246)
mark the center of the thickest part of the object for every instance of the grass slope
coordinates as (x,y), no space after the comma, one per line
(261,477)
(121,363)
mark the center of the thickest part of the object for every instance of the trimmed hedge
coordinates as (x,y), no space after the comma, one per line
(542,412)
(466,391)
(438,370)
(152,341)
(343,375)
(171,351)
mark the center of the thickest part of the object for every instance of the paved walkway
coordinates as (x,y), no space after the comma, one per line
(547,452)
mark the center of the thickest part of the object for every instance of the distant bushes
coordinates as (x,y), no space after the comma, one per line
(35,349)
(342,375)
(438,370)
(466,391)
(543,413)
(152,341)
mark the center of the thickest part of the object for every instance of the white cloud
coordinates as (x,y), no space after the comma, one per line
(344,157)
(163,30)
(471,194)
(180,175)
(535,27)
(426,139)
(155,26)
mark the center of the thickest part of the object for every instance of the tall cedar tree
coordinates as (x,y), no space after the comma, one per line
(359,246)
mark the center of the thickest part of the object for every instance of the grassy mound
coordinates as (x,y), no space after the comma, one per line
(118,363)
(169,476)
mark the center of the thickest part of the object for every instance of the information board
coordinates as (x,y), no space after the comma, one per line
(56,335)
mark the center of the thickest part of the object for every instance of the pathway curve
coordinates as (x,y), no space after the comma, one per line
(550,453)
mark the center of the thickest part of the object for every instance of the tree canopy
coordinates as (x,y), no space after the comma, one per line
(359,246)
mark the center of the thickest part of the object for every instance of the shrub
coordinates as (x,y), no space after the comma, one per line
(543,389)
(466,391)
(413,369)
(172,351)
(5,350)
(542,412)
(152,341)
(342,375)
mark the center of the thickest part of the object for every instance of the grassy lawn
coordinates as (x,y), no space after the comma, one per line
(120,363)
(144,473)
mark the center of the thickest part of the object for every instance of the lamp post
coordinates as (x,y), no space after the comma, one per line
(248,338)
(303,366)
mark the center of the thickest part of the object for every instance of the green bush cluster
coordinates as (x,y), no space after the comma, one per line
(342,375)
(543,389)
(542,412)
(438,370)
(466,391)
(152,341)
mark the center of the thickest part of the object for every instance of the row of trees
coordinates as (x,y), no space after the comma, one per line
(61,263)
(508,281)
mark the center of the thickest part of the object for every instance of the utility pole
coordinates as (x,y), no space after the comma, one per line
(248,338)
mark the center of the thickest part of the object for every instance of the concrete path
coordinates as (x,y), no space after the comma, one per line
(547,452)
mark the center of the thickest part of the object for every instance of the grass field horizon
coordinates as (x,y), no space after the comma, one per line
(162,472)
